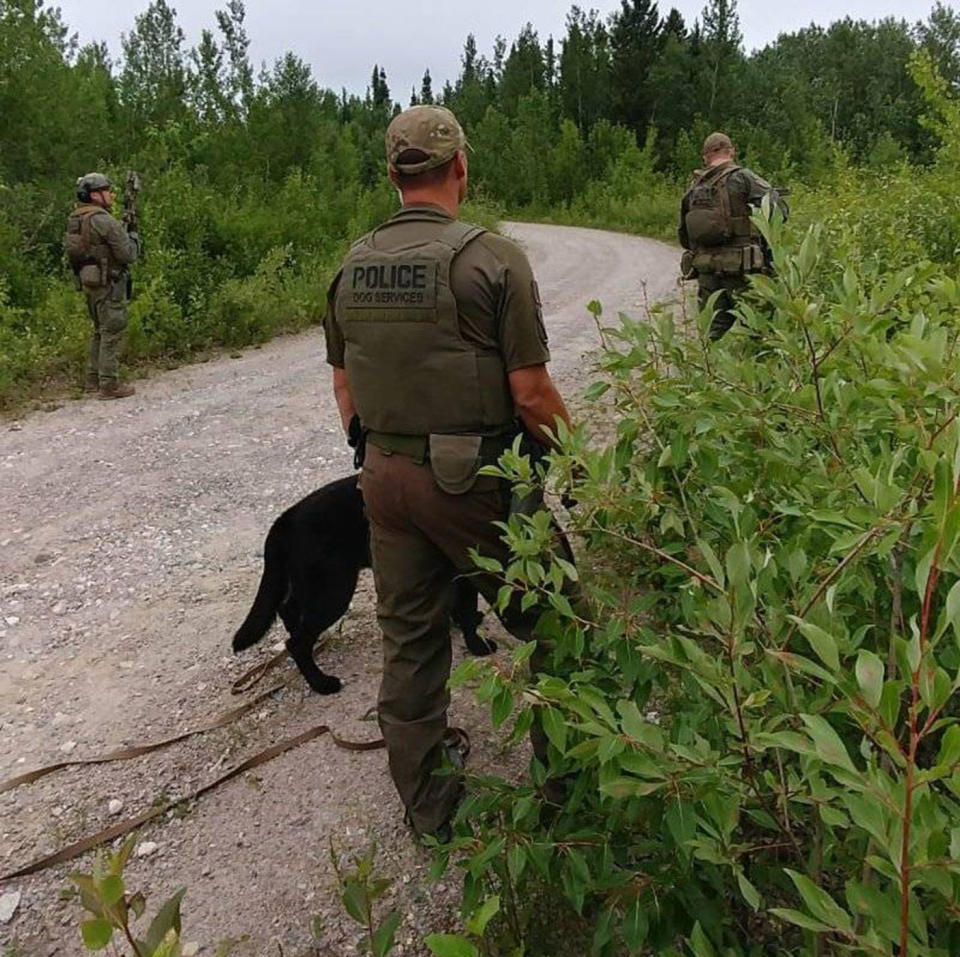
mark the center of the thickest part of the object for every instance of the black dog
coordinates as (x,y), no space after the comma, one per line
(311,560)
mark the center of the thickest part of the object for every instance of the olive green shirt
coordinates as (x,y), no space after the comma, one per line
(498,304)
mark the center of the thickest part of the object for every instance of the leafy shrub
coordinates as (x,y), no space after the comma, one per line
(111,910)
(754,720)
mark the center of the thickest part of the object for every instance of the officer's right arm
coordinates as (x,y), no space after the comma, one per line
(523,343)
(537,401)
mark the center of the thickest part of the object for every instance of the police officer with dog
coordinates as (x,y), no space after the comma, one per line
(100,250)
(723,246)
(435,333)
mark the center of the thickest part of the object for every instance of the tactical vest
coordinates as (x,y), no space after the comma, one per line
(409,368)
(721,233)
(85,248)
(714,217)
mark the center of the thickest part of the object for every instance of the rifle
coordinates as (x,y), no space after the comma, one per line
(131,189)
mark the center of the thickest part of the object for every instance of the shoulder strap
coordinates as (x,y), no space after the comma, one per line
(718,174)
(457,234)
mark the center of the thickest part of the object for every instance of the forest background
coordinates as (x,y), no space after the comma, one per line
(254,183)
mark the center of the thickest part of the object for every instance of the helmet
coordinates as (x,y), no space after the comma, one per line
(90,184)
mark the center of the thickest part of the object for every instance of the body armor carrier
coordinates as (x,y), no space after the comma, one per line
(722,236)
(89,257)
(409,368)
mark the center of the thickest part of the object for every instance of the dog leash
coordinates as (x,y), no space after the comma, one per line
(125,827)
(136,751)
(246,681)
(255,675)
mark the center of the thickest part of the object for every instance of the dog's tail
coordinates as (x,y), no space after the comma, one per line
(269,595)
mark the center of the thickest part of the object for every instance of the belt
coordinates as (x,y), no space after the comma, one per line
(417,447)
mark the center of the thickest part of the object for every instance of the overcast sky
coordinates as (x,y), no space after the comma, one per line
(342,41)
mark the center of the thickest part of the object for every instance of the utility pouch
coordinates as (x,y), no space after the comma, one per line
(754,258)
(89,276)
(454,461)
(728,261)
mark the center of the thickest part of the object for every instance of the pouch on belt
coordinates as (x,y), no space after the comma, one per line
(455,461)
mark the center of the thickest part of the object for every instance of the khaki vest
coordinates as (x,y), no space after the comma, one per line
(409,369)
(89,256)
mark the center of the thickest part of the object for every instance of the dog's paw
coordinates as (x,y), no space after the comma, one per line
(326,684)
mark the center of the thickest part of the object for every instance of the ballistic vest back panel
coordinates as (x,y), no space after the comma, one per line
(714,217)
(82,244)
(409,368)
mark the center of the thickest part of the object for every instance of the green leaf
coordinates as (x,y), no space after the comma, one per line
(354,901)
(111,889)
(822,642)
(750,893)
(169,946)
(699,943)
(823,907)
(96,933)
(827,742)
(635,925)
(800,919)
(502,706)
(738,563)
(137,904)
(383,936)
(477,925)
(953,607)
(451,945)
(716,569)
(870,677)
(554,727)
(168,918)
(949,747)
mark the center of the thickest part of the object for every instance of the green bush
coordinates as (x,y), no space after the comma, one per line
(754,714)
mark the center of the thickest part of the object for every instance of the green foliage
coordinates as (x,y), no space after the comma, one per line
(360,889)
(112,910)
(754,743)
(254,186)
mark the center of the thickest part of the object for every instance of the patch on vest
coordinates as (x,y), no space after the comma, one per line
(404,290)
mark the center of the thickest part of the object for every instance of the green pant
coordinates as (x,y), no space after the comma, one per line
(723,315)
(420,540)
(107,306)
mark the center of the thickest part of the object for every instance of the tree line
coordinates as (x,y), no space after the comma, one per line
(268,169)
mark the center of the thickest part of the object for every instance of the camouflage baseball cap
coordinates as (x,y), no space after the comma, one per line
(430,134)
(716,143)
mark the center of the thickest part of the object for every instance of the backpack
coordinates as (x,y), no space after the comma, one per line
(709,219)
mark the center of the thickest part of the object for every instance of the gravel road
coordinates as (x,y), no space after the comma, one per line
(130,549)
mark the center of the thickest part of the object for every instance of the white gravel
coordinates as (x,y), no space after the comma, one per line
(130,549)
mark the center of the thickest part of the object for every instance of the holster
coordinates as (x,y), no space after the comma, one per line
(357,440)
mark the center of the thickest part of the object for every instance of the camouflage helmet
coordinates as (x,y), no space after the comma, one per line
(423,138)
(717,143)
(91,183)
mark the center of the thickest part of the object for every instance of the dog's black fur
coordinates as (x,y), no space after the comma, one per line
(311,560)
